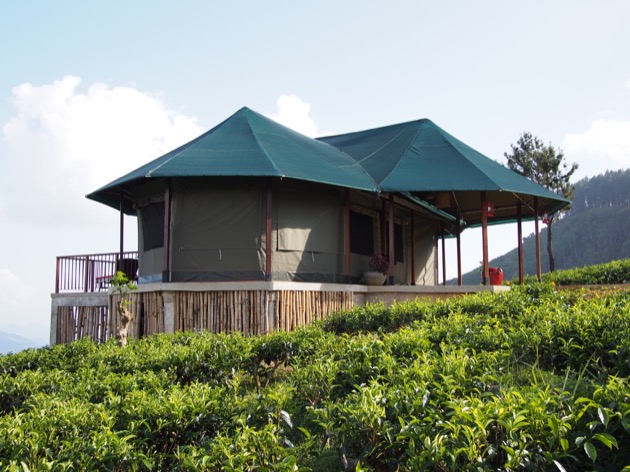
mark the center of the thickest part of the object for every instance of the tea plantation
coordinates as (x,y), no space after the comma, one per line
(533,379)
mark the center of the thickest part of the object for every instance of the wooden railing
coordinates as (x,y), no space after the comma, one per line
(92,273)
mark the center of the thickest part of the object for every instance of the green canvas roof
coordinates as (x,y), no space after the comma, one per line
(422,158)
(416,159)
(247,144)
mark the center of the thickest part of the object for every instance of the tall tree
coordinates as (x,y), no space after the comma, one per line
(545,165)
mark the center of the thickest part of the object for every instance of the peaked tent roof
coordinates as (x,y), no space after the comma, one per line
(247,144)
(416,158)
(420,157)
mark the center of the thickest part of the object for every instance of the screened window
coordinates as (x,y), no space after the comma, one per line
(152,217)
(361,234)
(399,249)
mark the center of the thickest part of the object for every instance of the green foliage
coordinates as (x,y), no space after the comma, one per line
(121,285)
(546,166)
(543,164)
(615,272)
(533,379)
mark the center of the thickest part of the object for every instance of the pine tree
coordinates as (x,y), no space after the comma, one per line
(546,166)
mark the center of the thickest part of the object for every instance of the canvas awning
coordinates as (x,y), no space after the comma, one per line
(421,158)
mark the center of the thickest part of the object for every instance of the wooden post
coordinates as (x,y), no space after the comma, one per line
(86,275)
(413,249)
(384,227)
(538,266)
(443,254)
(268,229)
(346,236)
(57,273)
(519,225)
(485,275)
(459,250)
(166,263)
(390,225)
(122,226)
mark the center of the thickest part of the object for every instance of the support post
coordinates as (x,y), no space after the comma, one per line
(485,276)
(166,263)
(122,227)
(87,276)
(346,236)
(459,251)
(443,255)
(268,229)
(413,249)
(538,266)
(383,227)
(57,274)
(390,225)
(169,312)
(519,225)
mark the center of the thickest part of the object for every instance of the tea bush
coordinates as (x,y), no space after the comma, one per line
(533,379)
(615,272)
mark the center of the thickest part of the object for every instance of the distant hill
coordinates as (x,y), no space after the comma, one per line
(595,230)
(10,342)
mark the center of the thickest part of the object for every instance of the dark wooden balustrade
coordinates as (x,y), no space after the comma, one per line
(92,272)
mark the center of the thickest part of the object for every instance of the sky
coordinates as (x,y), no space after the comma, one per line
(92,90)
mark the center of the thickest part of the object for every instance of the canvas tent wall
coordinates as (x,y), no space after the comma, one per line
(217,233)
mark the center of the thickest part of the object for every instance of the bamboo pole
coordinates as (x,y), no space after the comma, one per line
(223,317)
(264,312)
(206,306)
(256,312)
(215,313)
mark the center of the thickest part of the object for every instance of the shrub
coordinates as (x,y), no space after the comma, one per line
(533,379)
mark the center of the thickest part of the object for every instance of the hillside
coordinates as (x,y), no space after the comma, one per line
(596,230)
(530,379)
(10,342)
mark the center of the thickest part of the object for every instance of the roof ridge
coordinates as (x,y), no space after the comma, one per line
(420,128)
(448,138)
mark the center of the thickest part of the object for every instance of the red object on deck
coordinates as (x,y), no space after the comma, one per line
(490,210)
(496,276)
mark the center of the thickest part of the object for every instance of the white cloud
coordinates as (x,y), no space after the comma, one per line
(16,307)
(13,291)
(294,113)
(605,146)
(62,144)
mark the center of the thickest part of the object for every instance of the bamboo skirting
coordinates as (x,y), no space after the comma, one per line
(255,312)
(76,322)
(252,312)
(300,308)
(153,321)
(221,312)
(100,323)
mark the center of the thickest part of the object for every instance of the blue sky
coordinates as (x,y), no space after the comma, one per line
(91,90)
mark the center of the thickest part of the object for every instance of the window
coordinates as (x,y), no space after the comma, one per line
(361,234)
(152,218)
(399,248)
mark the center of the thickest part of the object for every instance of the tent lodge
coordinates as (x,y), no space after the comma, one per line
(255,227)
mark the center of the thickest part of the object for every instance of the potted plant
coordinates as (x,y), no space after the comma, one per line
(379,267)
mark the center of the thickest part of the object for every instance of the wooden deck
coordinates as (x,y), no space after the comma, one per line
(248,307)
